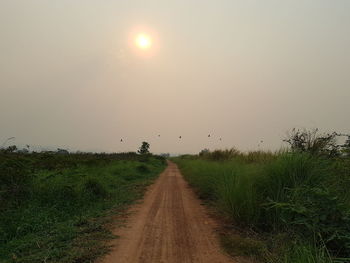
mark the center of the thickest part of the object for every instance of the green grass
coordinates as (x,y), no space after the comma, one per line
(237,245)
(56,208)
(297,196)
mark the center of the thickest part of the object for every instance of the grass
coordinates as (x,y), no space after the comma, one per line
(238,245)
(55,208)
(300,198)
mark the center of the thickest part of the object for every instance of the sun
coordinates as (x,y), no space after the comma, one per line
(143,41)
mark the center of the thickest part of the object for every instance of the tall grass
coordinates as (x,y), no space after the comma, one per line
(236,194)
(295,193)
(233,153)
(306,253)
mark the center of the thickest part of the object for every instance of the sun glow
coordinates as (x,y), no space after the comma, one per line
(143,41)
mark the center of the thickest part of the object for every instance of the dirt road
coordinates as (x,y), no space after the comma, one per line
(169,226)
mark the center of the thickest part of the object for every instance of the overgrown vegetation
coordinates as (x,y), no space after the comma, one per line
(54,207)
(295,203)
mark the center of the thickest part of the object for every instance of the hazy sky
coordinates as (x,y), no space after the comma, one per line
(243,70)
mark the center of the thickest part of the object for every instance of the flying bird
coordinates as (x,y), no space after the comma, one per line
(208,135)
(121,140)
(180,137)
(220,139)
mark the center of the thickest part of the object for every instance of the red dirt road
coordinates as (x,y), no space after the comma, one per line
(170,226)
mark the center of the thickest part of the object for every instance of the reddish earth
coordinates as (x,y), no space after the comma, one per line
(169,226)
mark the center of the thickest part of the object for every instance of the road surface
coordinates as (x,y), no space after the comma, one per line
(169,226)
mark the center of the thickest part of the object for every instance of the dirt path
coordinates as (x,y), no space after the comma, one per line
(169,226)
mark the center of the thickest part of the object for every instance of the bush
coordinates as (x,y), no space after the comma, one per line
(313,142)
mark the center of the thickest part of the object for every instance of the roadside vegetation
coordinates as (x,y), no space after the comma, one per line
(55,207)
(290,206)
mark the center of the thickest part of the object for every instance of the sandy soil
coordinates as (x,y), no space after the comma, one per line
(169,226)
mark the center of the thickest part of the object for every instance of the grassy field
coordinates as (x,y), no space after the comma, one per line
(285,207)
(55,208)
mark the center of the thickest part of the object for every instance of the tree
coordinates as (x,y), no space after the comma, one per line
(204,152)
(313,142)
(11,149)
(144,149)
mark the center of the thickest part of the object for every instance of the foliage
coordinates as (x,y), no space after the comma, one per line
(15,178)
(53,207)
(298,193)
(234,154)
(10,149)
(144,148)
(244,246)
(219,155)
(204,152)
(312,142)
(346,146)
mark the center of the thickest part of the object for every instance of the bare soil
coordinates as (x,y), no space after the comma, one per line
(169,226)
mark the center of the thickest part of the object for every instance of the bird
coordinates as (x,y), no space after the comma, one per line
(180,137)
(220,139)
(121,140)
(158,135)
(208,135)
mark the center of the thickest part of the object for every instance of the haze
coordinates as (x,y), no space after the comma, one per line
(243,71)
